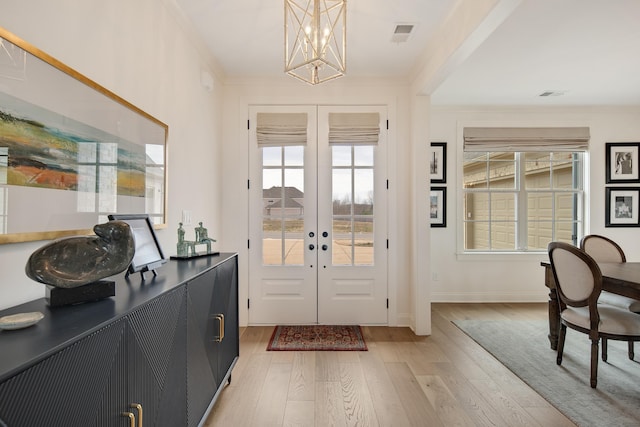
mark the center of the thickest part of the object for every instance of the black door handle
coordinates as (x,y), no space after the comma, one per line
(311,247)
(325,247)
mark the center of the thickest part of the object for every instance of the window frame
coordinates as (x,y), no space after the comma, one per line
(521,193)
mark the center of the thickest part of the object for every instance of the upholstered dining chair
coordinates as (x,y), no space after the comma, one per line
(603,249)
(579,283)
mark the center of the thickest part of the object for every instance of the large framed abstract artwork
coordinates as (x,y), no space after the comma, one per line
(71,152)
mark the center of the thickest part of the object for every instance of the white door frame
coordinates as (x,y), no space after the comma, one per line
(278,297)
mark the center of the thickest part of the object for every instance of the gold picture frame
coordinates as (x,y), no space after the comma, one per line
(71,151)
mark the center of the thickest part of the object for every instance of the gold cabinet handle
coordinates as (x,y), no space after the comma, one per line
(220,336)
(132,418)
(139,408)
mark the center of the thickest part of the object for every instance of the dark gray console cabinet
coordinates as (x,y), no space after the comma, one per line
(156,354)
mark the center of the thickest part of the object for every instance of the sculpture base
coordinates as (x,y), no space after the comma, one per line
(197,255)
(90,292)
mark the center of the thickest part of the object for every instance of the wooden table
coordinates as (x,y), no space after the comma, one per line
(620,278)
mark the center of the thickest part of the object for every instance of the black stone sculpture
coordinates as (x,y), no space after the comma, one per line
(76,261)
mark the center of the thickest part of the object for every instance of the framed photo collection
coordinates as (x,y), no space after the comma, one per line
(438,206)
(438,175)
(622,206)
(622,166)
(438,163)
(622,162)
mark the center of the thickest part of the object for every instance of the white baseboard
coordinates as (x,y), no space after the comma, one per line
(404,320)
(481,297)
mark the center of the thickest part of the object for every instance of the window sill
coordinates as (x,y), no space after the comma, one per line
(503,256)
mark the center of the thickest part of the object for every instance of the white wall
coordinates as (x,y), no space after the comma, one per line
(141,51)
(466,278)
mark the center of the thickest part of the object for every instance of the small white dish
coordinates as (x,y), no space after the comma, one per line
(20,320)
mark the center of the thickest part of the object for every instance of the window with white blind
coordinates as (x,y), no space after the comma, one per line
(522,187)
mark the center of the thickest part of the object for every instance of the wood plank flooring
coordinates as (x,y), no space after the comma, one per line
(445,379)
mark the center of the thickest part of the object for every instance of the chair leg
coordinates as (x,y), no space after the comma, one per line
(561,336)
(631,353)
(604,350)
(594,362)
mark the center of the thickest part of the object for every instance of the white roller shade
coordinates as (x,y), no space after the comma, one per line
(526,139)
(281,129)
(354,128)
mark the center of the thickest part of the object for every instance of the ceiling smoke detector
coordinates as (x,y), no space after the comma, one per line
(402,32)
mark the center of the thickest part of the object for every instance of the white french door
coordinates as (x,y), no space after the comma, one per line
(318,223)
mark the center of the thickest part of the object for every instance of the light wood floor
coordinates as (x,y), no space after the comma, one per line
(445,379)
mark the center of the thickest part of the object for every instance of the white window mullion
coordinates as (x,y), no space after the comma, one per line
(522,200)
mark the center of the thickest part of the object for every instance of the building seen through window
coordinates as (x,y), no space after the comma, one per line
(521,201)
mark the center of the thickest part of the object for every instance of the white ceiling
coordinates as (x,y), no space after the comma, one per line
(589,50)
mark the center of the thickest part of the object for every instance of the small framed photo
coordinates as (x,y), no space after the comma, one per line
(438,163)
(622,162)
(438,207)
(622,205)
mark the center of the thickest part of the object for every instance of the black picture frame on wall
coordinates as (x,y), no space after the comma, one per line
(622,207)
(438,207)
(622,162)
(438,163)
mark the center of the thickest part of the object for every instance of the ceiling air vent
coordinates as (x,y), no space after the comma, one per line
(552,93)
(402,32)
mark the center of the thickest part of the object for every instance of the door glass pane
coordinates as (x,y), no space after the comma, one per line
(341,155)
(352,194)
(363,155)
(363,217)
(294,191)
(272,156)
(294,155)
(283,205)
(342,247)
(271,242)
(341,190)
(294,242)
(363,189)
(272,178)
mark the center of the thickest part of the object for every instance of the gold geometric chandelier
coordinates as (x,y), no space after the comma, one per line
(315,39)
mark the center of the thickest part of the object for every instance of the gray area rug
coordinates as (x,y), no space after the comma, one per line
(523,347)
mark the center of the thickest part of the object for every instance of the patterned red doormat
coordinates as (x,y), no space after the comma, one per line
(317,338)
